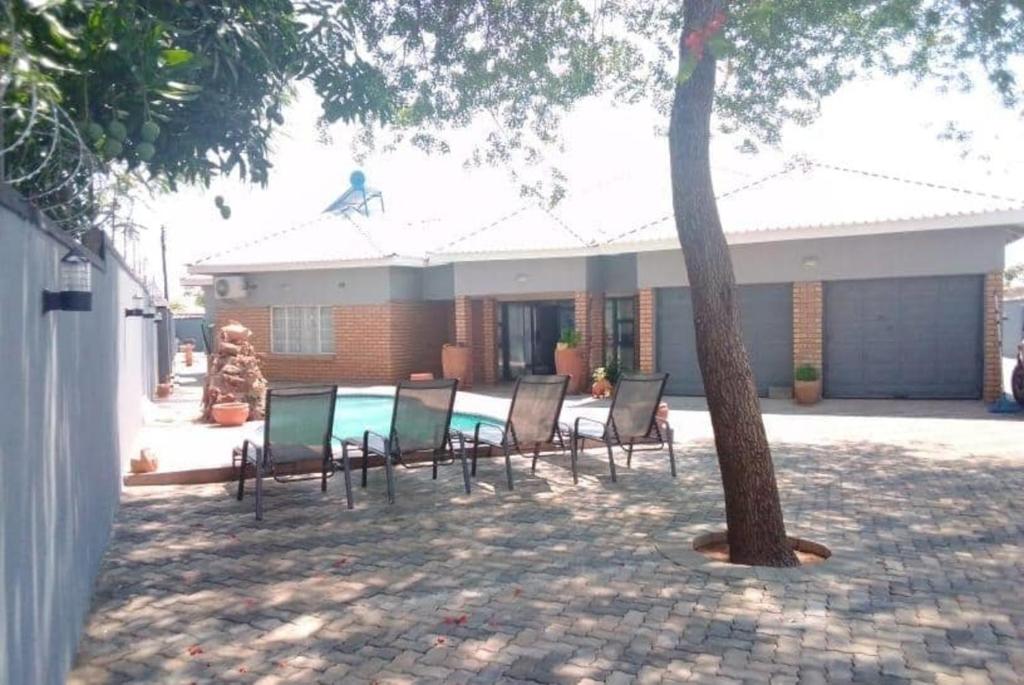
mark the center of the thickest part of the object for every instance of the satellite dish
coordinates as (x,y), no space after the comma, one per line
(357,179)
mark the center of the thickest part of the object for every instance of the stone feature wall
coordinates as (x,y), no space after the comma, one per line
(807,324)
(380,343)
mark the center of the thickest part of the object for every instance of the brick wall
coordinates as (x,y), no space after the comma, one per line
(645,329)
(489,340)
(807,324)
(993,371)
(589,317)
(373,343)
(464,330)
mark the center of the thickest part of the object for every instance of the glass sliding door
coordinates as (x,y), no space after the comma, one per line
(528,333)
(619,332)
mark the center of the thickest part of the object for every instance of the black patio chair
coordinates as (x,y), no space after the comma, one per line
(297,428)
(532,421)
(633,418)
(420,422)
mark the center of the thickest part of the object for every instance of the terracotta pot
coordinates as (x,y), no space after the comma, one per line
(188,355)
(230,413)
(163,390)
(662,412)
(807,392)
(456,362)
(146,463)
(425,376)
(601,389)
(569,362)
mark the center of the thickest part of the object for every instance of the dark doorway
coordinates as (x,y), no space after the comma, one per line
(529,333)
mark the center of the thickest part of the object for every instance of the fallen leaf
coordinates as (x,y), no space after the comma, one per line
(242,669)
(195,650)
(440,640)
(518,591)
(340,562)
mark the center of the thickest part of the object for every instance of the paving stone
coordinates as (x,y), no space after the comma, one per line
(561,583)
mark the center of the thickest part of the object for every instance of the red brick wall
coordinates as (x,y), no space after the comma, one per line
(645,329)
(807,324)
(992,383)
(464,330)
(380,343)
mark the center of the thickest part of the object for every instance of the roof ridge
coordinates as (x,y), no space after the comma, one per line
(910,181)
(558,220)
(260,239)
(786,168)
(466,236)
(365,234)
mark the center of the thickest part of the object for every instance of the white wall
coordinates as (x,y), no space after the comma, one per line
(73,386)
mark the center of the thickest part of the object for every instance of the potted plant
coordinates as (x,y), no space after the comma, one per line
(230,413)
(807,384)
(602,387)
(569,360)
(456,362)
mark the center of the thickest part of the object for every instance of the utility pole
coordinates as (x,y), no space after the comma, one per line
(163,259)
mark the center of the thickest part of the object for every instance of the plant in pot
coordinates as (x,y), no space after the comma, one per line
(807,384)
(569,360)
(602,387)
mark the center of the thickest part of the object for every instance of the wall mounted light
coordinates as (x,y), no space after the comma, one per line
(809,262)
(135,310)
(75,294)
(522,278)
(148,310)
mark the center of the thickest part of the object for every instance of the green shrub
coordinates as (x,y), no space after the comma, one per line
(570,337)
(612,372)
(806,372)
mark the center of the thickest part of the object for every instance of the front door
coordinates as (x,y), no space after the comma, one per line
(529,333)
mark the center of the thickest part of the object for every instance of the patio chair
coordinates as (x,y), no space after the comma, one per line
(532,421)
(420,422)
(633,417)
(297,428)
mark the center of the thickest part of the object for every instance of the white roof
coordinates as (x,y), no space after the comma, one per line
(800,200)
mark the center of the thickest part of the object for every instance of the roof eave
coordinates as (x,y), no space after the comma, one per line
(241,267)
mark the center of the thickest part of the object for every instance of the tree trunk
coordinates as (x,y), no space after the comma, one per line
(757,533)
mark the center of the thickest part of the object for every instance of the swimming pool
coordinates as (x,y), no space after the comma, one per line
(354,414)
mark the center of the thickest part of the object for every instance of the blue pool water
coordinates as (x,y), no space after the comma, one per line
(354,414)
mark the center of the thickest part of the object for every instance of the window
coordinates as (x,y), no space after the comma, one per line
(619,319)
(301,330)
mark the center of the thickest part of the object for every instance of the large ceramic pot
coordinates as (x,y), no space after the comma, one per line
(230,413)
(807,392)
(569,362)
(456,362)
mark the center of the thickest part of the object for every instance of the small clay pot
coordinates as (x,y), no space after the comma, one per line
(230,413)
(188,355)
(164,390)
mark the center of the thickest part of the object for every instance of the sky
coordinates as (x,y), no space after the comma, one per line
(881,125)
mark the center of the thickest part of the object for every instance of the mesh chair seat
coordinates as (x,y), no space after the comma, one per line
(491,434)
(374,443)
(298,427)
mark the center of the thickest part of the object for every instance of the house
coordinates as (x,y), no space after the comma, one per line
(887,284)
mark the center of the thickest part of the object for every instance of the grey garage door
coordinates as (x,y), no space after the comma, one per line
(904,337)
(767,320)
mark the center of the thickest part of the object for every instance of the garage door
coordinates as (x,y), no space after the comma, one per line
(767,318)
(904,337)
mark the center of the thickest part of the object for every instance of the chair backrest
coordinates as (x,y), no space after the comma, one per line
(536,404)
(635,403)
(298,418)
(423,412)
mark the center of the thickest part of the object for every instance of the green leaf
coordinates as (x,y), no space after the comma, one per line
(719,45)
(687,68)
(174,57)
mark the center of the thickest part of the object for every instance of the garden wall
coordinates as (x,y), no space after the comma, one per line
(73,388)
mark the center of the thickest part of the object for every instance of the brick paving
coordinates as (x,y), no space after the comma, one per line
(555,583)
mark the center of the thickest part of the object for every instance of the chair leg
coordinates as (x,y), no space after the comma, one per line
(536,452)
(572,461)
(241,480)
(508,466)
(388,471)
(671,452)
(629,455)
(465,466)
(434,475)
(611,462)
(259,491)
(476,449)
(323,474)
(348,474)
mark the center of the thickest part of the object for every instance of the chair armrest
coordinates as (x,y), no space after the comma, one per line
(576,423)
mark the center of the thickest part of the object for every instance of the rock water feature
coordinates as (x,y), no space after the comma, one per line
(234,373)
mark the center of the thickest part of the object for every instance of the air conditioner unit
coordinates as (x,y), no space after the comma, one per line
(229,287)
